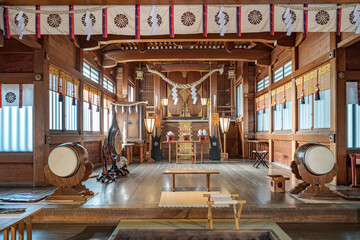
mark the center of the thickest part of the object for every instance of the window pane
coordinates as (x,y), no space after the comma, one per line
(95,119)
(266,120)
(287,116)
(70,114)
(305,113)
(266,82)
(259,121)
(55,111)
(277,117)
(87,114)
(350,125)
(110,86)
(260,85)
(279,74)
(239,100)
(86,70)
(322,110)
(288,69)
(16,127)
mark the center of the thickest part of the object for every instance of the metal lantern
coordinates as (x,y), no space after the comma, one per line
(149,124)
(139,73)
(231,73)
(204,101)
(165,102)
(224,124)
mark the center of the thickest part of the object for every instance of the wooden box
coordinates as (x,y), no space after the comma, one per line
(202,138)
(186,137)
(277,182)
(170,138)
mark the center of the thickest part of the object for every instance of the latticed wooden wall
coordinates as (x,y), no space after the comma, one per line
(147,88)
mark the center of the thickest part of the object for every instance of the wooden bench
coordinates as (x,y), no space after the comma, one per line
(207,172)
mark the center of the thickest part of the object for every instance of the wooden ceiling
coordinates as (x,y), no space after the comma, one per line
(163,2)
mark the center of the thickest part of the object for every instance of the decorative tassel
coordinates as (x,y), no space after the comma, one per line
(306,20)
(204,20)
(104,27)
(37,23)
(238,21)
(74,101)
(274,107)
(98,109)
(108,112)
(338,20)
(317,90)
(264,109)
(60,97)
(284,103)
(6,23)
(171,21)
(272,29)
(258,109)
(137,21)
(90,107)
(302,98)
(71,23)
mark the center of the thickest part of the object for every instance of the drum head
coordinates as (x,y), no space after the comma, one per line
(319,159)
(63,161)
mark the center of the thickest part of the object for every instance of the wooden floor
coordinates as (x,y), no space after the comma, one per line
(146,181)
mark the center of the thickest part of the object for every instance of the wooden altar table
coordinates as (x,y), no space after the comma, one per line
(186,154)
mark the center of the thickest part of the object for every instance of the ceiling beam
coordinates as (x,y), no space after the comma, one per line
(198,67)
(160,2)
(231,37)
(29,40)
(187,55)
(350,40)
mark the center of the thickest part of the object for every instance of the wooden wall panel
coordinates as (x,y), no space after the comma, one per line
(352,57)
(63,49)
(16,62)
(282,152)
(16,173)
(314,46)
(94,151)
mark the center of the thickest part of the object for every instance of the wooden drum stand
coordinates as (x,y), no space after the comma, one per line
(315,165)
(68,166)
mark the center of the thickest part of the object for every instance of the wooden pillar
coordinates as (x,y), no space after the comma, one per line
(125,79)
(338,113)
(271,142)
(157,89)
(294,117)
(119,83)
(213,91)
(41,113)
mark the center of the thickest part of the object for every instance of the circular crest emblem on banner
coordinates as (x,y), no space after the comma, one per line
(159,20)
(293,17)
(188,18)
(322,17)
(351,17)
(255,17)
(121,21)
(226,17)
(54,20)
(10,97)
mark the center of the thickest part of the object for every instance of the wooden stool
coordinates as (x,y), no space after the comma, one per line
(224,199)
(277,183)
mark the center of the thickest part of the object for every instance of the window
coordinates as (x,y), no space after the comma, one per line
(108,84)
(108,114)
(90,72)
(283,71)
(305,113)
(287,116)
(131,94)
(16,123)
(282,115)
(239,100)
(353,114)
(63,89)
(264,83)
(91,109)
(277,117)
(263,120)
(322,110)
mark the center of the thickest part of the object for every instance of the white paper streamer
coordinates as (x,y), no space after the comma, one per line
(122,109)
(88,23)
(222,21)
(174,94)
(21,24)
(357,18)
(136,108)
(288,22)
(193,93)
(129,109)
(154,22)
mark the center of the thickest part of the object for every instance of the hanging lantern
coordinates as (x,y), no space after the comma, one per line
(139,73)
(231,73)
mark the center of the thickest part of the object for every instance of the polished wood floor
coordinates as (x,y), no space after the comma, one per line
(144,184)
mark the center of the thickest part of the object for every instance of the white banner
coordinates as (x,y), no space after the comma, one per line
(221,22)
(10,95)
(352,92)
(188,19)
(323,20)
(121,20)
(255,18)
(297,20)
(54,23)
(161,18)
(29,21)
(80,26)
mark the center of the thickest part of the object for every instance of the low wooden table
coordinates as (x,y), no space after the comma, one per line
(24,221)
(177,150)
(207,172)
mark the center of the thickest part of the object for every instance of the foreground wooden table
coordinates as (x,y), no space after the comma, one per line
(10,224)
(207,172)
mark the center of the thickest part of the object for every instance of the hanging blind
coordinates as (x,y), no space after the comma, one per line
(262,102)
(307,83)
(281,94)
(107,102)
(91,95)
(67,84)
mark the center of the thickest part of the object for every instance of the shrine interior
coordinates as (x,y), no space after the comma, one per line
(180,120)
